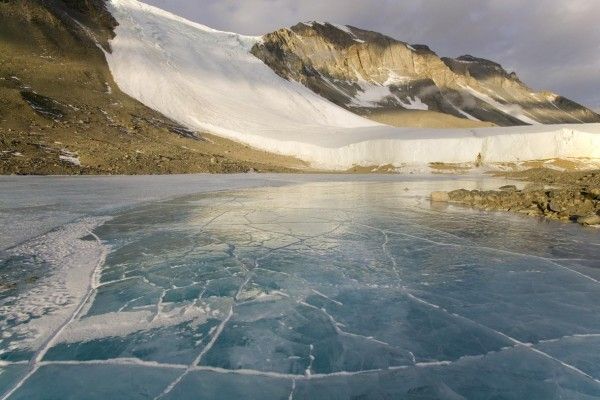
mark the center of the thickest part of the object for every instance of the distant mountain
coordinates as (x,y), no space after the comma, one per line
(383,78)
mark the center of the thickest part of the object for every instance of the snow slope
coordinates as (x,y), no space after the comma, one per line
(510,109)
(208,80)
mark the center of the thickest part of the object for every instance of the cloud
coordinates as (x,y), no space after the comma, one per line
(552,44)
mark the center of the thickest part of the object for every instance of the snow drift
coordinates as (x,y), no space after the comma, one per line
(208,80)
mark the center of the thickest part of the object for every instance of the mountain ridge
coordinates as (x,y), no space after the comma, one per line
(367,72)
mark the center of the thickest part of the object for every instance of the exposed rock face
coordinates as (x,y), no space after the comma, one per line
(369,73)
(87,20)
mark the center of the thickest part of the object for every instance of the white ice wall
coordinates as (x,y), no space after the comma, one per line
(208,80)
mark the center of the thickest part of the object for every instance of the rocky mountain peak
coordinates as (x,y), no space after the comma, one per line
(422,48)
(370,73)
(478,68)
(345,36)
(339,36)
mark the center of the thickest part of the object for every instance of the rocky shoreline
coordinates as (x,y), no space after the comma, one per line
(564,196)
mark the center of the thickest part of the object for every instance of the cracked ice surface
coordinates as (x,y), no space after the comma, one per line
(322,290)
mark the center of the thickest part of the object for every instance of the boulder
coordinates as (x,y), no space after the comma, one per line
(592,219)
(440,197)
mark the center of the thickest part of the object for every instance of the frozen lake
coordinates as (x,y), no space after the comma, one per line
(282,287)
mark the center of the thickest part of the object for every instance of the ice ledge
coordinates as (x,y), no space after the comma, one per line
(404,147)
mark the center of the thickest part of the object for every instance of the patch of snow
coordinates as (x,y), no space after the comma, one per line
(414,104)
(371,94)
(560,109)
(332,85)
(510,109)
(343,28)
(463,112)
(395,79)
(410,47)
(69,157)
(208,80)
(346,29)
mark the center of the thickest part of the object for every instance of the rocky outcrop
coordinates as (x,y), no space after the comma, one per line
(574,196)
(582,206)
(370,73)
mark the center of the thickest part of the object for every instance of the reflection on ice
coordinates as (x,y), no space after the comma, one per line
(327,291)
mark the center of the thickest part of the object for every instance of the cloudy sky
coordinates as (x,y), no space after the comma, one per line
(551,44)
